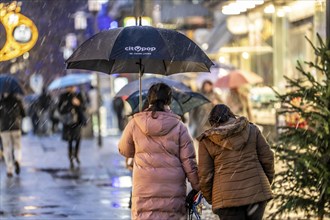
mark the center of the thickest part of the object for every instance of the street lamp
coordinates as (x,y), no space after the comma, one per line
(94,6)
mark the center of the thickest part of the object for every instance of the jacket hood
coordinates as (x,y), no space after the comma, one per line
(159,126)
(232,135)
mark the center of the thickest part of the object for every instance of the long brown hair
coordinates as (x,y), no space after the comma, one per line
(159,95)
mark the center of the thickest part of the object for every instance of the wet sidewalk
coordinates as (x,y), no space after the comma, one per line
(48,189)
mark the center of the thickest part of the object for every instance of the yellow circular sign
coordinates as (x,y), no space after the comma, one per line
(21,33)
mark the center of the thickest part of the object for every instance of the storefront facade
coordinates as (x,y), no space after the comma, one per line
(270,38)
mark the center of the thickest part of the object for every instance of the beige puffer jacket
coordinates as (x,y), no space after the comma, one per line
(163,157)
(236,165)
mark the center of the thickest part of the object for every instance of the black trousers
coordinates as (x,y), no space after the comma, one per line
(73,150)
(247,212)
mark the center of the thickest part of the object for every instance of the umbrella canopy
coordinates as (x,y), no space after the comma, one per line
(131,87)
(139,49)
(238,78)
(71,80)
(182,102)
(9,84)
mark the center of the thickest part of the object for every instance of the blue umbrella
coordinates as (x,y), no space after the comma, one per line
(182,102)
(9,84)
(71,80)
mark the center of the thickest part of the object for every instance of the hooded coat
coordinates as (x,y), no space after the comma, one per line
(163,157)
(236,165)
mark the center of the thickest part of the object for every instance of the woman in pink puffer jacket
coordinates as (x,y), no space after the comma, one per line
(163,157)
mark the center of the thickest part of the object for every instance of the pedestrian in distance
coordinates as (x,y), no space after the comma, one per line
(118,107)
(11,115)
(236,166)
(198,117)
(71,107)
(44,103)
(163,155)
(238,100)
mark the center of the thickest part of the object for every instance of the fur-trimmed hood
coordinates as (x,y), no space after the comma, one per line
(232,135)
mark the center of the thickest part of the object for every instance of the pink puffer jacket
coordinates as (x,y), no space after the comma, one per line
(163,157)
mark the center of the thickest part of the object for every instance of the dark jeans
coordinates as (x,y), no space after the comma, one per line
(73,150)
(248,212)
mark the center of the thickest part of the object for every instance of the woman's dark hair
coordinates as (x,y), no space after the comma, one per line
(206,82)
(158,96)
(220,114)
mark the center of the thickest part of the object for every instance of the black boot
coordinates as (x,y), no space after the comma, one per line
(70,151)
(17,168)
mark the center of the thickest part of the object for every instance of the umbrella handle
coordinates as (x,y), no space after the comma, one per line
(141,70)
(140,92)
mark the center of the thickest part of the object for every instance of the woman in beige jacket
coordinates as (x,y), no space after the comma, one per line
(236,166)
(163,157)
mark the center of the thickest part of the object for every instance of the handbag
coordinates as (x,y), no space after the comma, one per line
(69,118)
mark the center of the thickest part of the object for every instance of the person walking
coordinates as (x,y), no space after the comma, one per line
(236,166)
(44,103)
(238,100)
(163,155)
(11,115)
(118,107)
(71,108)
(198,116)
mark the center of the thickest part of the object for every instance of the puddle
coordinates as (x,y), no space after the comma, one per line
(121,181)
(28,214)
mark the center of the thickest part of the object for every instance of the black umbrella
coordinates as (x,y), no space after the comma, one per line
(131,87)
(182,102)
(140,49)
(9,84)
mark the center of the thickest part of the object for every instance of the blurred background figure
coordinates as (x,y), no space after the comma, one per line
(92,107)
(238,100)
(198,118)
(11,114)
(44,103)
(71,108)
(54,116)
(118,107)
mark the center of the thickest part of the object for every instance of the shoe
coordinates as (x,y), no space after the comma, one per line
(9,175)
(17,168)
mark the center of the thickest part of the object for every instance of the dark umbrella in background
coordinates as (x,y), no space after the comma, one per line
(9,84)
(182,102)
(140,49)
(131,87)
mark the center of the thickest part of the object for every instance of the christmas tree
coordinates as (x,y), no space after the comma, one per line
(302,184)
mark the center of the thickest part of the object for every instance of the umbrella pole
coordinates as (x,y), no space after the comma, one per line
(140,86)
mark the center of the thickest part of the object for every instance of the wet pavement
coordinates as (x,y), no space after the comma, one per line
(48,189)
